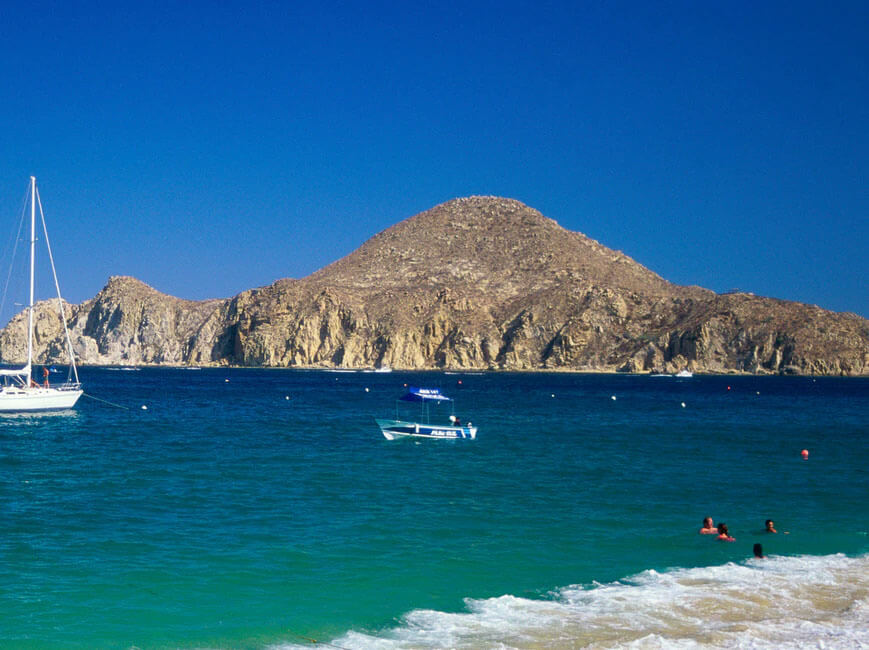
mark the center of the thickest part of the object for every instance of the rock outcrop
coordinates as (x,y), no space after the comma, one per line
(127,322)
(476,283)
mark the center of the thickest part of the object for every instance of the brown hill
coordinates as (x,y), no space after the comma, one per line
(481,282)
(500,246)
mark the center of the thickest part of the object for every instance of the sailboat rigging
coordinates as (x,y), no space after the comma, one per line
(20,392)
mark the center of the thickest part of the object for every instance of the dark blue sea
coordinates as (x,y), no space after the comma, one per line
(264,509)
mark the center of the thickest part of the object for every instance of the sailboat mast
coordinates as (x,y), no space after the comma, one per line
(32,267)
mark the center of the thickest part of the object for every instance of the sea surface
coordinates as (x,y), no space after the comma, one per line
(264,509)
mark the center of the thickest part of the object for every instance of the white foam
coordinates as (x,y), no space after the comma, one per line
(778,602)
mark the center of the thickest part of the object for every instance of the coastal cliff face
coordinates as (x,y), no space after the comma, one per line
(476,283)
(127,322)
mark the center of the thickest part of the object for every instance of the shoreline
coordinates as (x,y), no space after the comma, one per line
(493,371)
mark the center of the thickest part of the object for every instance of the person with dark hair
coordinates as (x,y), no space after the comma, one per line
(758,551)
(724,534)
(708,527)
(769,526)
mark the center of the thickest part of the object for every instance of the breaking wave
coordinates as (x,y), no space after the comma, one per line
(777,602)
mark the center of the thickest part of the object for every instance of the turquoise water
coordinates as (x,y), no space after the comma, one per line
(263,508)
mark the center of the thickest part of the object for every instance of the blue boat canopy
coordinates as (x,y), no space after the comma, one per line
(415,394)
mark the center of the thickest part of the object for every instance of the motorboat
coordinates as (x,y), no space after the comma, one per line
(428,399)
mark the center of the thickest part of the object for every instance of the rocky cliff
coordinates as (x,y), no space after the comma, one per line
(127,322)
(477,283)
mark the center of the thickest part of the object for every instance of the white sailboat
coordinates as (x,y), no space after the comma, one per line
(20,392)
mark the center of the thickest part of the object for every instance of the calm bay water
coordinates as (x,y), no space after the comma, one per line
(264,509)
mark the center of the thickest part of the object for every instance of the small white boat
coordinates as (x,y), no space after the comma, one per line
(423,428)
(379,369)
(684,373)
(19,391)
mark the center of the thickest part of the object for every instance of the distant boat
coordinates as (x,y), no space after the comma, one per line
(685,373)
(379,369)
(422,428)
(22,393)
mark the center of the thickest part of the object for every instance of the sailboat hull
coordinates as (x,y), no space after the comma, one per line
(33,400)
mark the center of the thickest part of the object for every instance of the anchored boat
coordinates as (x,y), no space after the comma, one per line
(23,393)
(423,428)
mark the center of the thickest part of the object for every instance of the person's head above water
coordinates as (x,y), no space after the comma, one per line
(708,526)
(770,526)
(758,550)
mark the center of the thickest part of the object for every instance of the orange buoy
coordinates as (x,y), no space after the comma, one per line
(805,454)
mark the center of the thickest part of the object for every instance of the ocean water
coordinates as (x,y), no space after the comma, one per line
(264,509)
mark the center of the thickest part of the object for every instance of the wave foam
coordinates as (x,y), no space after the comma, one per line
(778,602)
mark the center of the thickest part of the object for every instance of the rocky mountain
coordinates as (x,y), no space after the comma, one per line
(475,283)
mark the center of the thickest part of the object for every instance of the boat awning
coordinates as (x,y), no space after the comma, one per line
(415,394)
(14,372)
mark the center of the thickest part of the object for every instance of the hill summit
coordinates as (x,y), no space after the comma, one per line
(497,244)
(473,283)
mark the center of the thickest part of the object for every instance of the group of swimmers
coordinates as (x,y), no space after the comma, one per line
(709,528)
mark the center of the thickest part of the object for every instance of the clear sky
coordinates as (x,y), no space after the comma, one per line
(207,148)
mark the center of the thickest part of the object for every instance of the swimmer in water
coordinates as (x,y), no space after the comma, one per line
(708,527)
(758,551)
(769,526)
(724,534)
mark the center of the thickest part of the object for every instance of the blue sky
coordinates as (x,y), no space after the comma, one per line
(213,147)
